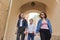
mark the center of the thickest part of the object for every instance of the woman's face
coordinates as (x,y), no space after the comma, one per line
(42,15)
(22,15)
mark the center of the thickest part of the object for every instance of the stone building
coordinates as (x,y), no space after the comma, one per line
(10,10)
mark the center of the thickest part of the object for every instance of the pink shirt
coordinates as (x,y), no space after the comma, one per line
(44,25)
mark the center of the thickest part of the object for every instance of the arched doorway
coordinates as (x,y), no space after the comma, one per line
(34,8)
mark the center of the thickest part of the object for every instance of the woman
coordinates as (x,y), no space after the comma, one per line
(44,27)
(22,26)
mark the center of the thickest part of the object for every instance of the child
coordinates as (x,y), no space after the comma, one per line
(31,29)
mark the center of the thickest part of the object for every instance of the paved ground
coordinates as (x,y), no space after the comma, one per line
(53,38)
(37,37)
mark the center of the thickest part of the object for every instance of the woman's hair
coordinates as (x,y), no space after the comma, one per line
(20,15)
(44,14)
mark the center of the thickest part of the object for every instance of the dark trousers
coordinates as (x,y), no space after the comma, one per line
(45,34)
(20,32)
(30,36)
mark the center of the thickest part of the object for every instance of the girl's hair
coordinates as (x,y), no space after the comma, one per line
(31,19)
(44,14)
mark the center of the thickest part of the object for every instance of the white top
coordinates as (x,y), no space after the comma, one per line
(44,25)
(31,28)
(21,22)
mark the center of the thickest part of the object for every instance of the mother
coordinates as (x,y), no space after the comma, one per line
(44,27)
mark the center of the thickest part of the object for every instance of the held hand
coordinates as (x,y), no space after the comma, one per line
(34,33)
(25,32)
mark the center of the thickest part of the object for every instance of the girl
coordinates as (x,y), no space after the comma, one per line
(31,29)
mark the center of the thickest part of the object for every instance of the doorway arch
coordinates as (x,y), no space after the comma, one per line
(33,5)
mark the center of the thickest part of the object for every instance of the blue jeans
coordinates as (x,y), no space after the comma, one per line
(30,36)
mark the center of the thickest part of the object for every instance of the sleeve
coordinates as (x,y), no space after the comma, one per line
(26,24)
(38,26)
(50,26)
(18,23)
(34,28)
